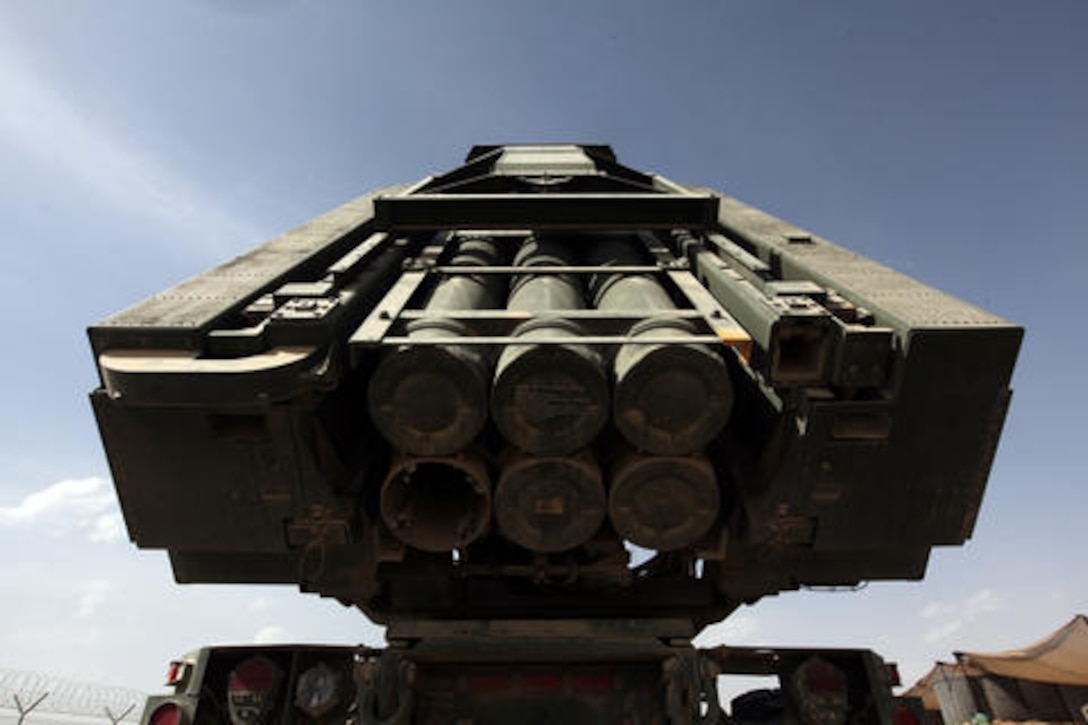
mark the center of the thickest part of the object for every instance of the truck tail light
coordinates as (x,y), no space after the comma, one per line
(168,713)
(176,673)
(253,688)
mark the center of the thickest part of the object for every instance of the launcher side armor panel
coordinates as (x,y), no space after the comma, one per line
(469,397)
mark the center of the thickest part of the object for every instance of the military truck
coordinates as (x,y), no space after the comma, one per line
(546,417)
(515,672)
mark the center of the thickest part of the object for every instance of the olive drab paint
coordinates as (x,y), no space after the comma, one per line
(468,398)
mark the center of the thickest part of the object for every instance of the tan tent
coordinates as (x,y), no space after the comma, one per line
(1043,682)
(941,672)
(945,689)
(1061,658)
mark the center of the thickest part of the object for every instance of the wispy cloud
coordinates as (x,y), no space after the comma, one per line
(107,528)
(92,595)
(272,634)
(950,618)
(41,122)
(86,504)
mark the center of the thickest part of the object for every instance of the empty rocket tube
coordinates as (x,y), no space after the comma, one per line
(663,502)
(437,503)
(550,504)
(670,399)
(431,400)
(548,399)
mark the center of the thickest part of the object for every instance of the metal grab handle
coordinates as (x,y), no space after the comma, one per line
(181,377)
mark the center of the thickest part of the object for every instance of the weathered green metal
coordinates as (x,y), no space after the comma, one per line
(243,412)
(550,504)
(663,503)
(548,399)
(670,399)
(580,672)
(437,503)
(547,212)
(795,333)
(432,399)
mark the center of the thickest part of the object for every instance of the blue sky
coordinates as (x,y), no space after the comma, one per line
(141,143)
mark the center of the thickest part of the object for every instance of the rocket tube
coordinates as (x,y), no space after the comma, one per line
(550,504)
(437,503)
(431,400)
(548,399)
(663,502)
(670,399)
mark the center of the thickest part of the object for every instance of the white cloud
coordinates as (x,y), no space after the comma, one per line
(93,595)
(39,121)
(950,618)
(82,498)
(108,528)
(272,634)
(86,504)
(62,638)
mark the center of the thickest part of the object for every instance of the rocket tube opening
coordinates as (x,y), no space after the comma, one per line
(549,399)
(550,504)
(430,400)
(670,400)
(663,503)
(437,504)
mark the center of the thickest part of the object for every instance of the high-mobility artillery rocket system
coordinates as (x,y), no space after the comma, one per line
(472,398)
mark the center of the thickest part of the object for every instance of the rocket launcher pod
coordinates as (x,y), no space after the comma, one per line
(316,412)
